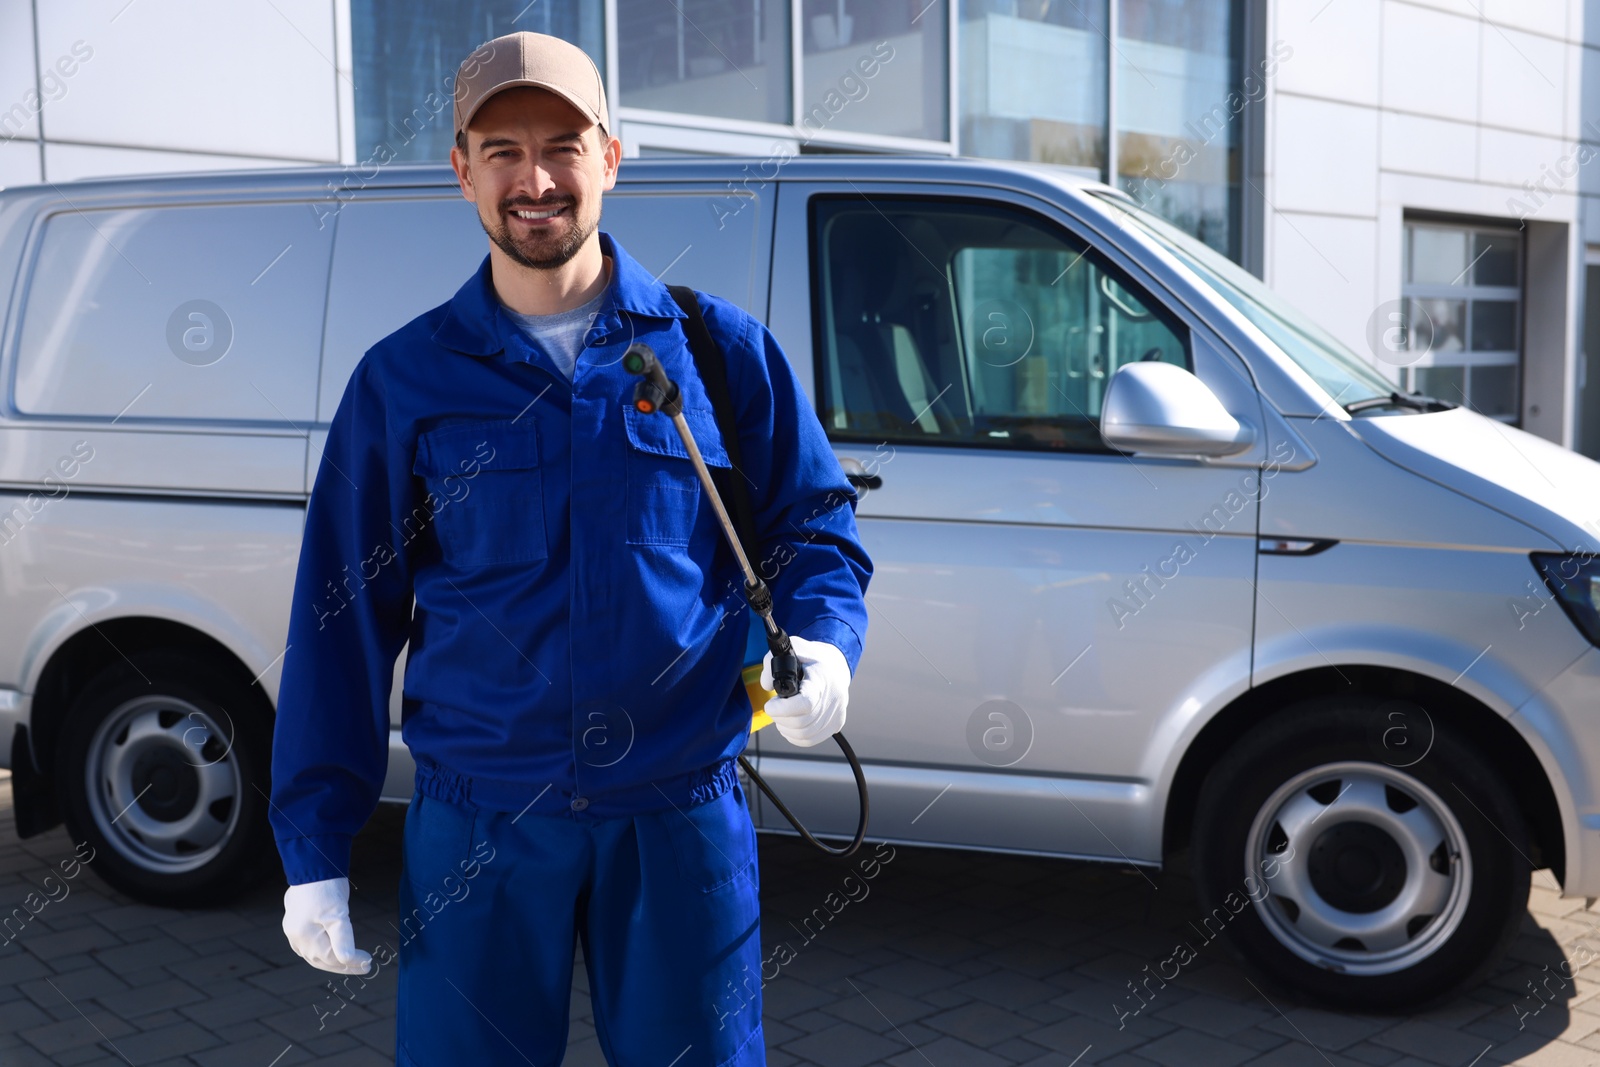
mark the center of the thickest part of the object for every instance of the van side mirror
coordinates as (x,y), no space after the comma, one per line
(1162,408)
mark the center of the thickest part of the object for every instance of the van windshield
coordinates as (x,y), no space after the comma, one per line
(1346,376)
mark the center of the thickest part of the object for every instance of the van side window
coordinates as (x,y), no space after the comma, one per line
(971,324)
(205,312)
(381,281)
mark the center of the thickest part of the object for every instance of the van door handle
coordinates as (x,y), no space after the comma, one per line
(857,474)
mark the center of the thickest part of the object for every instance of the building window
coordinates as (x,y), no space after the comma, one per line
(872,67)
(1178,113)
(1035,85)
(1033,81)
(1463,299)
(406,55)
(722,58)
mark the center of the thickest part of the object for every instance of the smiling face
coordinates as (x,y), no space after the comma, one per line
(535,168)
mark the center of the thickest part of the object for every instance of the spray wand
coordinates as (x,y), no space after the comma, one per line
(655,392)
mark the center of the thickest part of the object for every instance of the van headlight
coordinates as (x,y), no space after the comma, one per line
(1574,580)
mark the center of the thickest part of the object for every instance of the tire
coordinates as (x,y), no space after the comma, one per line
(163,767)
(1353,849)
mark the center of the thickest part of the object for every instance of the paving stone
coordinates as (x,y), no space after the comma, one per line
(21,1014)
(1007,990)
(85,982)
(1189,1049)
(1300,1054)
(237,1032)
(306,1023)
(28,1057)
(75,962)
(261,1051)
(358,1057)
(328,1044)
(980,1024)
(157,1019)
(73,1057)
(94,1025)
(127,918)
(878,1009)
(130,959)
(176,1040)
(812,1021)
(947,1052)
(200,926)
(51,946)
(1326,1029)
(1044,1014)
(945,998)
(1430,1042)
(208,968)
(252,1004)
(1074,1034)
(379,1035)
(777,1031)
(790,996)
(1367,1052)
(299,981)
(1556,1054)
(976,963)
(844,1045)
(1211,1015)
(142,1000)
(17,966)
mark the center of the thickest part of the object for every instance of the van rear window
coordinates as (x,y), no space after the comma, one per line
(203,312)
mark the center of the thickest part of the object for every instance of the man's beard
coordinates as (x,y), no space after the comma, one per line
(542,252)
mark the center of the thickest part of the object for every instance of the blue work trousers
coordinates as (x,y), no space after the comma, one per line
(665,904)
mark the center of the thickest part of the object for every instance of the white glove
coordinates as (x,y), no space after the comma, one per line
(316,919)
(815,713)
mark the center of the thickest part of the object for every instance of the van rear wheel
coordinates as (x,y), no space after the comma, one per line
(163,765)
(1353,848)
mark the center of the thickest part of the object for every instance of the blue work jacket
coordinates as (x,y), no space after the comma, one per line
(579,625)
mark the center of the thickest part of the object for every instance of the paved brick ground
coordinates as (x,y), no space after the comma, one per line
(950,960)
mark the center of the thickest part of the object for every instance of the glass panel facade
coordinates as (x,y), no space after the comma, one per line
(1178,113)
(1589,366)
(1033,80)
(726,58)
(1463,296)
(872,67)
(405,57)
(1033,85)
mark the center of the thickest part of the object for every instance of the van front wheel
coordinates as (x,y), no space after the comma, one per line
(163,765)
(1353,848)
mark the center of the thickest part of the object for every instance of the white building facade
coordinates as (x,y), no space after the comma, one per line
(1412,173)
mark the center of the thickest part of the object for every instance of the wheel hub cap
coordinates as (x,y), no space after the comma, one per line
(1366,869)
(1357,867)
(164,783)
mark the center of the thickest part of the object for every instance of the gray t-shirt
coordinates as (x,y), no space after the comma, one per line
(561,335)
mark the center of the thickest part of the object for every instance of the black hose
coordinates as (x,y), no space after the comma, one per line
(861,790)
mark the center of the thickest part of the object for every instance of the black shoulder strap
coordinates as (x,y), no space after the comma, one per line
(713,372)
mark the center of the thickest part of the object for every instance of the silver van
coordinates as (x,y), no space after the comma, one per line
(1158,563)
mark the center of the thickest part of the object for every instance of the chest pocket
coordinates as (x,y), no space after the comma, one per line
(485,476)
(663,489)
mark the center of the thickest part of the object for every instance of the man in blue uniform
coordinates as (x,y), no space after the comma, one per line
(572,696)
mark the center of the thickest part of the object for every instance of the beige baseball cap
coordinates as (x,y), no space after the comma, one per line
(535,59)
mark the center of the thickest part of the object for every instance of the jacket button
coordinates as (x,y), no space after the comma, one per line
(579,803)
